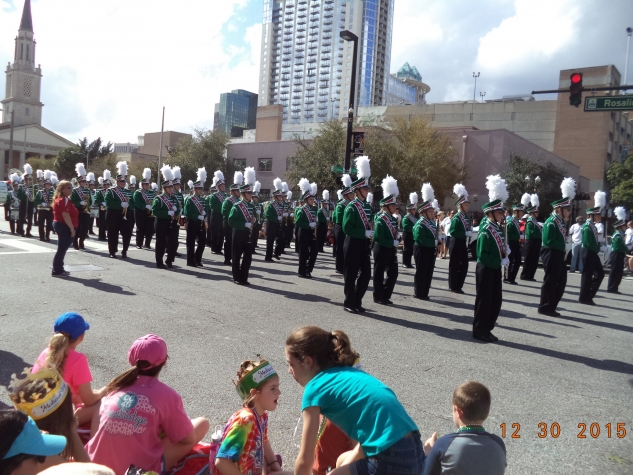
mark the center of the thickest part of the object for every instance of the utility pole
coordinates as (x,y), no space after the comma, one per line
(160,148)
(475,91)
(629,31)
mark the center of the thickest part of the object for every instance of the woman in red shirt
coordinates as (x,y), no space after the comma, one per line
(65,224)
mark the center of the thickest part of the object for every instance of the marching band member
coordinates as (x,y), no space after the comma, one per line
(295,210)
(492,253)
(274,218)
(143,199)
(117,201)
(532,240)
(132,210)
(407,223)
(306,224)
(214,203)
(43,201)
(425,239)
(460,232)
(26,195)
(339,197)
(38,187)
(323,220)
(257,226)
(514,236)
(553,252)
(618,251)
(105,183)
(288,215)
(207,207)
(94,209)
(339,235)
(166,209)
(81,199)
(592,271)
(196,221)
(12,205)
(386,243)
(227,206)
(181,203)
(241,219)
(357,227)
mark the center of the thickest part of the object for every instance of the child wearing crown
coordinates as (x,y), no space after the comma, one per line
(245,448)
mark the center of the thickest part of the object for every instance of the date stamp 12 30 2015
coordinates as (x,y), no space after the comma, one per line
(592,430)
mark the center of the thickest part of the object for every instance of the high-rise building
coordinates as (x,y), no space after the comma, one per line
(237,112)
(306,67)
(406,87)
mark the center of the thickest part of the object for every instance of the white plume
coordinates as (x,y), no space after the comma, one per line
(91,176)
(284,187)
(257,187)
(147,173)
(497,189)
(313,189)
(214,182)
(568,188)
(370,197)
(525,199)
(620,213)
(238,178)
(167,172)
(177,172)
(107,175)
(154,186)
(28,169)
(55,180)
(389,187)
(249,176)
(190,184)
(122,168)
(436,205)
(101,180)
(413,198)
(326,195)
(339,193)
(427,192)
(304,185)
(534,200)
(277,184)
(289,195)
(362,165)
(80,169)
(347,180)
(460,190)
(202,175)
(14,177)
(132,179)
(49,174)
(600,199)
(40,174)
(218,176)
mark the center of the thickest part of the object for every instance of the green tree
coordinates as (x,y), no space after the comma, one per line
(64,163)
(620,177)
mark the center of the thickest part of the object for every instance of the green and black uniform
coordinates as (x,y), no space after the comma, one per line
(257,226)
(101,221)
(306,222)
(143,216)
(407,223)
(554,266)
(513,228)
(356,225)
(616,260)
(460,231)
(82,199)
(12,203)
(117,201)
(196,231)
(592,271)
(43,201)
(227,207)
(490,252)
(240,220)
(166,209)
(26,195)
(323,218)
(273,212)
(424,247)
(533,237)
(215,237)
(385,256)
(339,235)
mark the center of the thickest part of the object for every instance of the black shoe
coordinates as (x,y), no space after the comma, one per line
(277,258)
(309,274)
(102,240)
(170,265)
(549,313)
(484,338)
(178,254)
(422,298)
(511,282)
(494,338)
(161,266)
(124,254)
(237,282)
(407,267)
(217,253)
(457,291)
(613,292)
(246,282)
(191,265)
(29,235)
(113,256)
(268,260)
(303,276)
(81,246)
(360,308)
(48,239)
(587,302)
(76,247)
(139,247)
(42,239)
(60,274)
(350,309)
(387,302)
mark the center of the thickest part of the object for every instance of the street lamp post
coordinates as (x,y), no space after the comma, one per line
(475,75)
(629,31)
(160,147)
(349,36)
(482,95)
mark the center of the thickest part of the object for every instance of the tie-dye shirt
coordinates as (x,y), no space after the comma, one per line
(243,441)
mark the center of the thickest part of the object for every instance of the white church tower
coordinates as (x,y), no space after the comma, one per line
(24,80)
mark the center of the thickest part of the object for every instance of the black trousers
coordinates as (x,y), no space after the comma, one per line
(45,223)
(407,249)
(216,228)
(554,280)
(532,253)
(274,233)
(166,234)
(255,229)
(25,216)
(308,250)
(296,234)
(228,241)
(321,230)
(117,225)
(488,299)
(339,236)
(385,261)
(288,232)
(144,228)
(7,217)
(424,267)
(457,263)
(335,244)
(101,222)
(357,272)
(82,230)
(242,250)
(196,234)
(515,260)
(175,242)
(616,260)
(592,275)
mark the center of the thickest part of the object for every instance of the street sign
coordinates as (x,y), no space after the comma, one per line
(337,169)
(609,103)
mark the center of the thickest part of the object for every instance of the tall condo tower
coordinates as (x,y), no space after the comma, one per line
(306,67)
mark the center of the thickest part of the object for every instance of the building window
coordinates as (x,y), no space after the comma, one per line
(265,165)
(239,164)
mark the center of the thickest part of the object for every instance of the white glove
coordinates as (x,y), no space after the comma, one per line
(327,219)
(82,203)
(396,242)
(201,217)
(399,235)
(204,213)
(259,211)
(312,225)
(248,225)
(522,236)
(285,215)
(508,251)
(505,262)
(125,204)
(469,233)
(171,213)
(604,249)
(369,234)
(148,206)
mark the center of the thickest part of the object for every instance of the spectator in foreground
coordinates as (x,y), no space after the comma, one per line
(65,224)
(471,450)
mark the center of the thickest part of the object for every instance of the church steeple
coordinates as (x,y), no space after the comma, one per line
(27,20)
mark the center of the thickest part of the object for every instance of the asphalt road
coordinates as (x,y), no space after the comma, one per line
(571,370)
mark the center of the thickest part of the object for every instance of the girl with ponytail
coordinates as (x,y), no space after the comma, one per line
(367,411)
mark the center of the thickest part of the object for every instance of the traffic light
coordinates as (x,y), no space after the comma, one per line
(575,89)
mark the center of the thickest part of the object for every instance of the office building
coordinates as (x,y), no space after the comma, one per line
(406,87)
(306,67)
(236,112)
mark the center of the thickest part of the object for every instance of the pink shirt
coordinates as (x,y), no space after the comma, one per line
(130,423)
(76,371)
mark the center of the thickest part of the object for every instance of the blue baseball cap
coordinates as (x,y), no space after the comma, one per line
(32,442)
(72,324)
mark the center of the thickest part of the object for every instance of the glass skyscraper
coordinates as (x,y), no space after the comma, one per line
(306,67)
(237,111)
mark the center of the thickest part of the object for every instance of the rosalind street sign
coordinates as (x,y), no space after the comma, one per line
(609,103)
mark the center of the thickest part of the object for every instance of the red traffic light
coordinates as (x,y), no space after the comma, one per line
(576,78)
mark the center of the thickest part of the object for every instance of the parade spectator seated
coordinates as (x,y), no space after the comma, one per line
(471,450)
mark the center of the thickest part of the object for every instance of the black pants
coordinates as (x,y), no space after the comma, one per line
(357,271)
(424,267)
(217,233)
(321,230)
(407,249)
(144,228)
(255,229)
(592,275)
(554,280)
(616,260)
(117,225)
(335,243)
(308,249)
(288,232)
(175,242)
(488,299)
(296,234)
(242,251)
(82,230)
(339,236)
(166,234)
(196,234)
(385,260)
(457,264)
(25,216)
(530,263)
(227,232)
(274,233)
(101,222)
(45,223)
(7,217)
(515,261)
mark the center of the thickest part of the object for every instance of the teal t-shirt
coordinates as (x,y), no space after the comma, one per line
(365,408)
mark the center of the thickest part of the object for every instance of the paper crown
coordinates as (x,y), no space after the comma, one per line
(255,376)
(39,404)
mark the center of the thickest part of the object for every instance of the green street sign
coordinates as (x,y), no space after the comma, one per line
(609,103)
(337,169)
